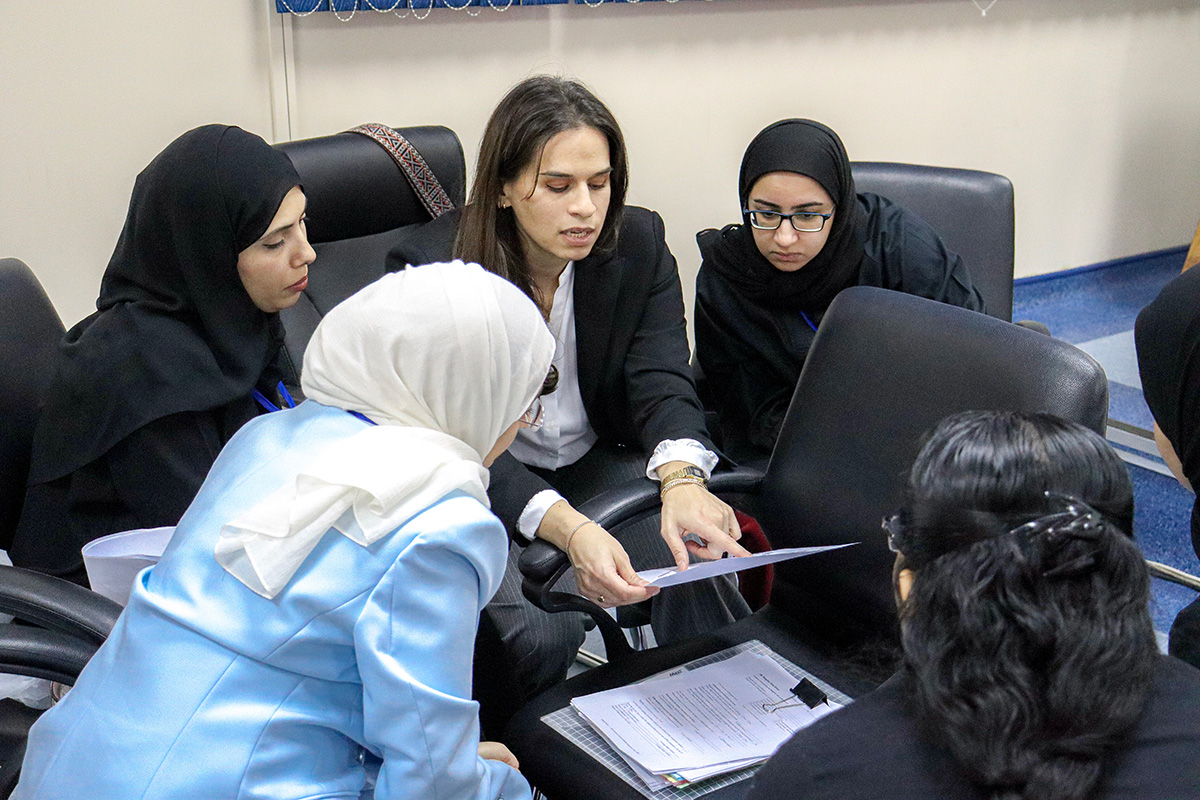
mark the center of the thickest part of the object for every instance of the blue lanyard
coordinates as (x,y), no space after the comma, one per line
(287,398)
(268,405)
(809,321)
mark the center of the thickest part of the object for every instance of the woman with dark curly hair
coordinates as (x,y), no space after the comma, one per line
(1029,662)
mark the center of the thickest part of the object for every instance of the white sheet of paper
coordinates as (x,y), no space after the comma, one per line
(670,576)
(710,715)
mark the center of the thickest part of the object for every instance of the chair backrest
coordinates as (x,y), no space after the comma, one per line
(884,368)
(971,210)
(30,330)
(359,203)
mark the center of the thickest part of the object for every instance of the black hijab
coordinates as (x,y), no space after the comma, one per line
(808,148)
(1168,350)
(175,329)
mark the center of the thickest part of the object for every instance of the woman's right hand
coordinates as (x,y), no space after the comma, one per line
(496,751)
(602,569)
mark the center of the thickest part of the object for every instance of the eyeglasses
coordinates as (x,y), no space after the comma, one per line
(802,222)
(892,525)
(535,415)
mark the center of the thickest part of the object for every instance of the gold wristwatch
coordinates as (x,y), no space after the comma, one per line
(687,472)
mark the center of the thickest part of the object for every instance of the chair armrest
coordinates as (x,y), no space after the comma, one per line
(542,564)
(56,604)
(40,653)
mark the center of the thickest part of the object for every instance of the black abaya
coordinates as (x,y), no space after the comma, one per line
(755,323)
(147,389)
(1168,348)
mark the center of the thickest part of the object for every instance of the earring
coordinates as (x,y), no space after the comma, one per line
(504,202)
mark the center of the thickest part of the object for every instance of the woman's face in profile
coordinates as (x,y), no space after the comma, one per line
(274,269)
(560,203)
(786,248)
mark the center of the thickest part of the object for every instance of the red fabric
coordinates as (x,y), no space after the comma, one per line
(755,584)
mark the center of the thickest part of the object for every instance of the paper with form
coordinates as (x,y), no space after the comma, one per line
(670,576)
(723,712)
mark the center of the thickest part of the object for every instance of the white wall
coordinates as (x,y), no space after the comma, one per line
(91,92)
(1092,107)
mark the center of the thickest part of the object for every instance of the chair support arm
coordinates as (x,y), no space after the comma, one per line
(542,564)
(1169,573)
(56,604)
(39,653)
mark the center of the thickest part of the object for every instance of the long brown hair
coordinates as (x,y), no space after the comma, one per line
(532,112)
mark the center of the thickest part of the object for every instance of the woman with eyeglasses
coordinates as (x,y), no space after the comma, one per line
(765,284)
(547,212)
(1030,667)
(317,606)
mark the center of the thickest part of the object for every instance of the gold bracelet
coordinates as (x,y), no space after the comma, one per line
(571,535)
(676,482)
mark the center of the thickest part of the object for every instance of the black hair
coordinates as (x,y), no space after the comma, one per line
(1028,651)
(533,112)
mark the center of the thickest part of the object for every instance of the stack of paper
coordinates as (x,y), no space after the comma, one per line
(707,721)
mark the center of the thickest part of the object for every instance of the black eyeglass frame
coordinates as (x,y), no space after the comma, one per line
(753,213)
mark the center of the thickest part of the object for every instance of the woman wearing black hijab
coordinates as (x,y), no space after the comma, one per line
(1168,349)
(765,284)
(150,387)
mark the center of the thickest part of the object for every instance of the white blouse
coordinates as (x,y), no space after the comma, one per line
(566,435)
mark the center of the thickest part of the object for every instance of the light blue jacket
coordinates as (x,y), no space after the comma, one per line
(207,690)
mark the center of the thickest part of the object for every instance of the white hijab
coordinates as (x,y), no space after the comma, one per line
(444,358)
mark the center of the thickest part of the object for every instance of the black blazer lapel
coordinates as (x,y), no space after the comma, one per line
(597,287)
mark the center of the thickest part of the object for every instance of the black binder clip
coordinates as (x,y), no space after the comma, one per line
(805,692)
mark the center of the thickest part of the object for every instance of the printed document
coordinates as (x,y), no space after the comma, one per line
(737,710)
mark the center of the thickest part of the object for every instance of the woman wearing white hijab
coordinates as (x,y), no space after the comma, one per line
(320,596)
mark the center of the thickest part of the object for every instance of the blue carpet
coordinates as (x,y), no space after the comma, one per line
(1091,302)
(1095,307)
(1162,526)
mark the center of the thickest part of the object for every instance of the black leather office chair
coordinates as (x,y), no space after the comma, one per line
(359,204)
(884,368)
(971,210)
(29,334)
(66,623)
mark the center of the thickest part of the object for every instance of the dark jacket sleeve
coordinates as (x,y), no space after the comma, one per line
(511,488)
(157,470)
(744,366)
(905,254)
(658,375)
(428,243)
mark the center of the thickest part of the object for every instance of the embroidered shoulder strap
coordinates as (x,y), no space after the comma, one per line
(422,179)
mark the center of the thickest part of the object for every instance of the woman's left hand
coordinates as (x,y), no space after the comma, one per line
(495,751)
(691,508)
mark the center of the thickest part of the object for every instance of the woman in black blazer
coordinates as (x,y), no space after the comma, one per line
(547,212)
